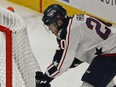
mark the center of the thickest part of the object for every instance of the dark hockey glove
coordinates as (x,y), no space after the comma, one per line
(42,80)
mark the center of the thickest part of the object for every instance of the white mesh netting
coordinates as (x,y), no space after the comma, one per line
(24,62)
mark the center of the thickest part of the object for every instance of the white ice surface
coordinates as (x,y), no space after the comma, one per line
(44,44)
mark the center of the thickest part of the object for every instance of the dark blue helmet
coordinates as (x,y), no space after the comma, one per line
(53,13)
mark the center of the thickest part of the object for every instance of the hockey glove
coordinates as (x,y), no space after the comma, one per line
(42,80)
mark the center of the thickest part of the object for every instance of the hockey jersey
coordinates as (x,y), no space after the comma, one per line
(83,37)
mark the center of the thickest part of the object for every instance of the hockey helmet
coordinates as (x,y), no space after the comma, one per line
(53,13)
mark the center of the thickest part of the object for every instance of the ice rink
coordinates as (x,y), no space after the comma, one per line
(43,45)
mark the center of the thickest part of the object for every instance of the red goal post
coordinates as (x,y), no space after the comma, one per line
(8,34)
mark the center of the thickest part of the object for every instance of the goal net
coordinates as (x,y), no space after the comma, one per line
(17,62)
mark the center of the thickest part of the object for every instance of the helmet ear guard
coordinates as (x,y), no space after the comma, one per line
(53,13)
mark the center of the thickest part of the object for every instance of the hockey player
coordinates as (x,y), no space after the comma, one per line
(83,38)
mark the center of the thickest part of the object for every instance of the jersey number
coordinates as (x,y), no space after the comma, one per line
(62,43)
(103,34)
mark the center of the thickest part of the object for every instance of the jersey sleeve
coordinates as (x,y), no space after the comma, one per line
(64,56)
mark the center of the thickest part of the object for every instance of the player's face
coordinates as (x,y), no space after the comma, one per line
(53,29)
